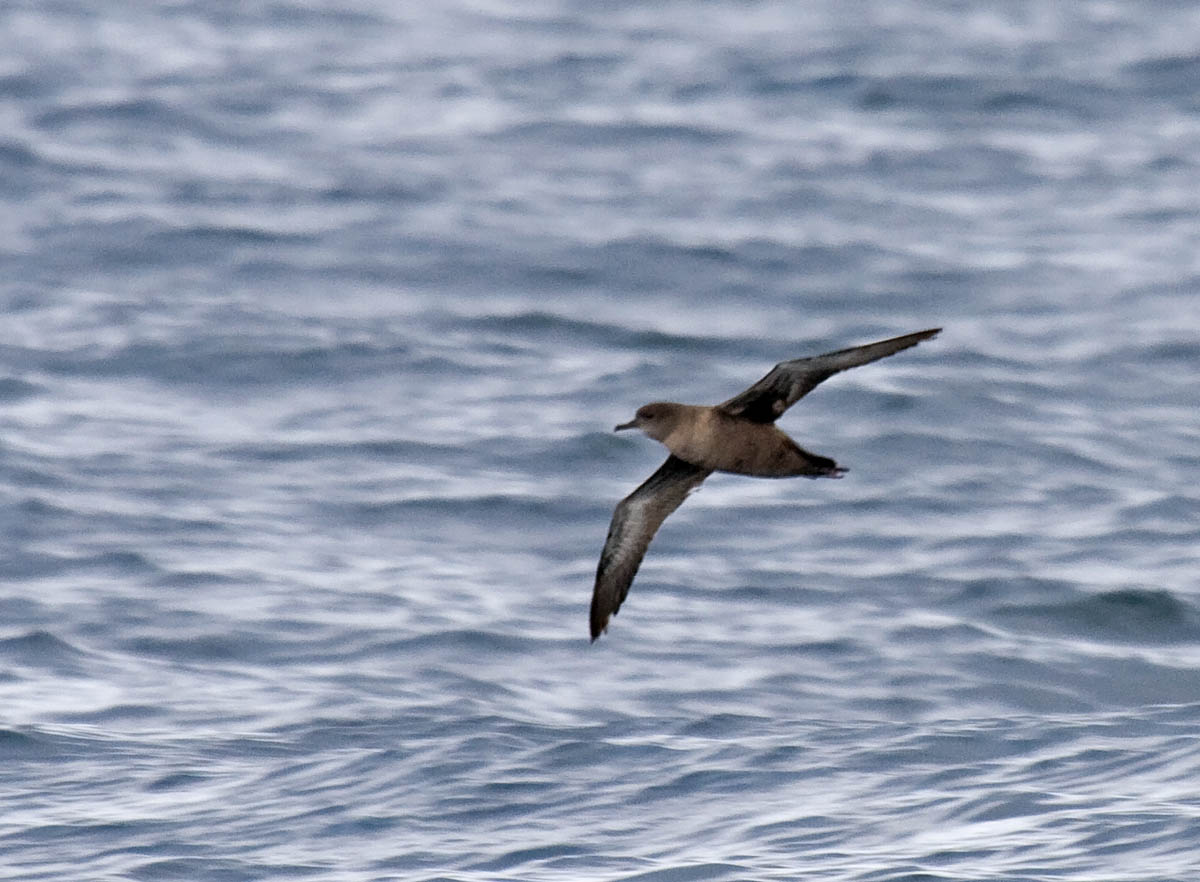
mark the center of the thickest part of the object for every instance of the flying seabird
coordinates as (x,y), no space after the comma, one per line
(737,436)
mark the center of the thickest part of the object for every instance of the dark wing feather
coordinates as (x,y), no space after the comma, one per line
(635,520)
(789,381)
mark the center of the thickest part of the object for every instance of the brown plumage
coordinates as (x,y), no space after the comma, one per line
(737,436)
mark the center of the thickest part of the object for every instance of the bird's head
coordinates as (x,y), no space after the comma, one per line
(656,419)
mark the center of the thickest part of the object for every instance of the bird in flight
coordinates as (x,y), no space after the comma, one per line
(737,436)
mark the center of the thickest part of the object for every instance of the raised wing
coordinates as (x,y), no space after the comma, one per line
(789,381)
(635,520)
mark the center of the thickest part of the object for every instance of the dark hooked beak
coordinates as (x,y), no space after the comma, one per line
(632,424)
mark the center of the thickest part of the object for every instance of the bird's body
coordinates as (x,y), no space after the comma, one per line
(720,442)
(737,436)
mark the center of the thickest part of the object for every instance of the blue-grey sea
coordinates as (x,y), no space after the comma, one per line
(315,320)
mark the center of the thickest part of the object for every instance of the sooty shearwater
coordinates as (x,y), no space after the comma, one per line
(738,436)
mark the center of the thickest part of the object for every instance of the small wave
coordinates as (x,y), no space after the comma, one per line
(546,325)
(382,449)
(629,135)
(219,646)
(137,713)
(36,647)
(17,745)
(12,389)
(1167,75)
(176,781)
(1133,615)
(42,651)
(211,361)
(465,641)
(489,508)
(33,565)
(200,239)
(528,857)
(1173,512)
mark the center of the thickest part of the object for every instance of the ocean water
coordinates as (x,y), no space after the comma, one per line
(316,321)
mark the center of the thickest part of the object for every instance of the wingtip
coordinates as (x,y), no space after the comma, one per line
(909,340)
(597,623)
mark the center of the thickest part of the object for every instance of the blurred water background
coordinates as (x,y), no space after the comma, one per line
(316,318)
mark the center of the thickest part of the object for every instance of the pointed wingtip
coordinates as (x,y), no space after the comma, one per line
(906,341)
(597,622)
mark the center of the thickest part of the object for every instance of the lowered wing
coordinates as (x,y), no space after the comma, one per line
(635,520)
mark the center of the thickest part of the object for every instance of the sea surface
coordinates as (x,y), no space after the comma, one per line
(315,320)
